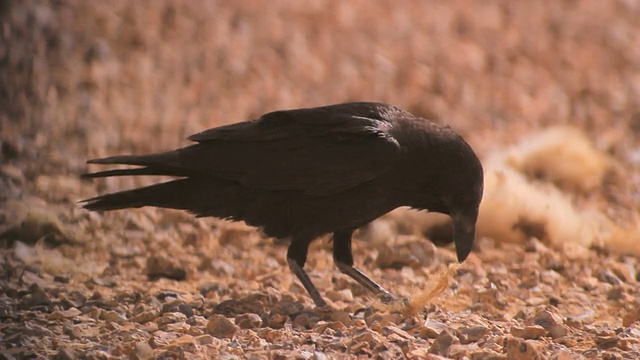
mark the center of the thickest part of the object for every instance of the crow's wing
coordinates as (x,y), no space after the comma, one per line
(317,151)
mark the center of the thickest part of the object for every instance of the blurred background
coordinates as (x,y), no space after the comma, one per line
(83,79)
(86,79)
(139,76)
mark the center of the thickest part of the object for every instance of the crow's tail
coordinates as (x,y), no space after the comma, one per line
(176,194)
(173,194)
(166,163)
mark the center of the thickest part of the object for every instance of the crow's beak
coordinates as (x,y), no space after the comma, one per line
(464,231)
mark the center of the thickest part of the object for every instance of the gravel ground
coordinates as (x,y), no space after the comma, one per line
(86,79)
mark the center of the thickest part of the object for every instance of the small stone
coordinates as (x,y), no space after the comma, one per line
(337,326)
(208,287)
(615,293)
(390,319)
(606,342)
(610,355)
(530,279)
(305,319)
(197,321)
(518,349)
(317,355)
(394,330)
(182,345)
(221,327)
(178,306)
(162,338)
(471,334)
(65,353)
(563,355)
(204,339)
(64,314)
(344,295)
(73,299)
(630,317)
(143,350)
(37,297)
(537,301)
(624,272)
(490,296)
(588,283)
(170,318)
(180,327)
(221,268)
(486,354)
(112,316)
(431,329)
(62,278)
(442,343)
(106,281)
(248,321)
(145,316)
(342,316)
(159,266)
(388,351)
(167,295)
(551,322)
(609,277)
(277,320)
(532,332)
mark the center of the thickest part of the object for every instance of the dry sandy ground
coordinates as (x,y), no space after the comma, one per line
(83,79)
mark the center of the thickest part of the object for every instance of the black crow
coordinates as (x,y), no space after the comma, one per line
(303,173)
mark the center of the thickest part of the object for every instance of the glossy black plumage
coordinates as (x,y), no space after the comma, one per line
(303,173)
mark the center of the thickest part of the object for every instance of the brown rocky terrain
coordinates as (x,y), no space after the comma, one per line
(85,79)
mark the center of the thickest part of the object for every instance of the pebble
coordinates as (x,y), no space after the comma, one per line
(551,322)
(623,271)
(342,316)
(65,353)
(277,320)
(431,329)
(490,296)
(518,349)
(616,293)
(180,326)
(442,343)
(532,332)
(204,339)
(178,305)
(64,314)
(248,321)
(170,318)
(344,295)
(162,266)
(588,283)
(395,257)
(630,317)
(145,316)
(113,317)
(305,319)
(37,297)
(208,287)
(609,277)
(471,334)
(143,350)
(221,327)
(167,295)
(73,299)
(162,338)
(606,342)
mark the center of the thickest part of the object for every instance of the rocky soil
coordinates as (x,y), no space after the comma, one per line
(80,79)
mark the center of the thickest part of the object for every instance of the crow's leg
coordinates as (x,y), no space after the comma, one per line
(296,257)
(344,260)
